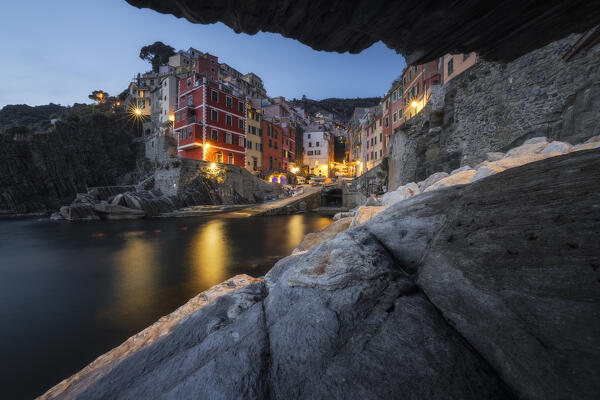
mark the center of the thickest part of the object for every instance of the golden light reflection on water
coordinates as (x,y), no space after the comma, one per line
(295,230)
(209,255)
(135,281)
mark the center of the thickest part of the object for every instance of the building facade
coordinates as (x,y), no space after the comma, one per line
(210,122)
(254,153)
(455,64)
(316,151)
(272,151)
(416,81)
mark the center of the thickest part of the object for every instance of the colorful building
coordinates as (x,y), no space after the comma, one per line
(416,82)
(271,146)
(386,118)
(455,64)
(210,121)
(318,152)
(254,153)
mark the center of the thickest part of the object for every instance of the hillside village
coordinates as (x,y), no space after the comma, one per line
(203,109)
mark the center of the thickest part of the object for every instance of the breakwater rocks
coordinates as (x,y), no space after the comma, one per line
(40,172)
(480,291)
(176,184)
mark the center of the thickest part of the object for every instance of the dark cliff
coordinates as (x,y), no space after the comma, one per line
(42,171)
(421,30)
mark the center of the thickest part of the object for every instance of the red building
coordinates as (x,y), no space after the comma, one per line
(210,121)
(272,141)
(386,118)
(416,81)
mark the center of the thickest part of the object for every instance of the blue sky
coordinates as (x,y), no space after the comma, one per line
(59,51)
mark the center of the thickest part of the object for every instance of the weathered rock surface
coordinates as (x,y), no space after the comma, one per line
(494,107)
(502,32)
(343,214)
(460,178)
(112,211)
(402,193)
(46,170)
(431,179)
(365,213)
(481,291)
(312,239)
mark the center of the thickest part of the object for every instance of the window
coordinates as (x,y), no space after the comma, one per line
(387,122)
(177,117)
(466,55)
(381,137)
(228,119)
(317,144)
(380,153)
(310,152)
(249,144)
(182,135)
(257,147)
(190,131)
(236,140)
(394,117)
(375,140)
(309,144)
(215,135)
(371,155)
(228,138)
(255,163)
(214,115)
(241,123)
(219,156)
(240,106)
(275,144)
(309,135)
(214,96)
(410,75)
(371,142)
(271,162)
(190,100)
(260,132)
(317,152)
(270,143)
(189,82)
(394,97)
(229,102)
(399,113)
(450,66)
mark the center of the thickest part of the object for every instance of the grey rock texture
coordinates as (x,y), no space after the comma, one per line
(312,239)
(481,291)
(47,170)
(503,31)
(494,107)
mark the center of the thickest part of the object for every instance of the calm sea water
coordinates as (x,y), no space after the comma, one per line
(72,291)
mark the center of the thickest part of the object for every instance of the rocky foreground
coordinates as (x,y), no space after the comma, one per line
(483,291)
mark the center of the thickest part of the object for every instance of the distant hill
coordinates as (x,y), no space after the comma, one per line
(342,108)
(31,117)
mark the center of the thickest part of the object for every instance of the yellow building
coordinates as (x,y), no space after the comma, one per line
(253,139)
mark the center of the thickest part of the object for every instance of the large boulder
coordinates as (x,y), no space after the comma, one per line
(557,147)
(312,239)
(438,176)
(460,178)
(480,291)
(402,193)
(531,146)
(365,213)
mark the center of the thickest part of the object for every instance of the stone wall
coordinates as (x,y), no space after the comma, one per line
(160,148)
(497,106)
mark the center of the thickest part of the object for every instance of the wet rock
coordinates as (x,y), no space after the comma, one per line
(113,212)
(312,239)
(77,212)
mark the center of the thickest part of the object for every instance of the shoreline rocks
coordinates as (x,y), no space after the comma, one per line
(482,291)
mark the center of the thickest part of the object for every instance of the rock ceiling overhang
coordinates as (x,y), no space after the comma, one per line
(421,30)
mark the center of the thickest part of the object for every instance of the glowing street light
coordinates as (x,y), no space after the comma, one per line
(137,112)
(414,103)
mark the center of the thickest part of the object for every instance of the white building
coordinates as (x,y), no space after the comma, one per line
(316,150)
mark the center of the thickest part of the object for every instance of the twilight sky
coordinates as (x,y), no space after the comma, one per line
(59,51)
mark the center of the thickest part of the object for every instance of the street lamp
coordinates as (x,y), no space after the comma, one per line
(414,103)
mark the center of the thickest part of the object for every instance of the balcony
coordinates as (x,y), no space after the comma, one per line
(189,143)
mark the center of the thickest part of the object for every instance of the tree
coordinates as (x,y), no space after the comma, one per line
(99,96)
(157,53)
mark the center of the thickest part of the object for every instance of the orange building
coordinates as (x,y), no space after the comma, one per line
(455,64)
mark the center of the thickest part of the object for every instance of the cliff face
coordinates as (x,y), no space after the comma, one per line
(496,106)
(422,31)
(483,291)
(40,172)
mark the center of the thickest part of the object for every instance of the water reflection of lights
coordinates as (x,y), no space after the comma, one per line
(209,255)
(295,230)
(135,281)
